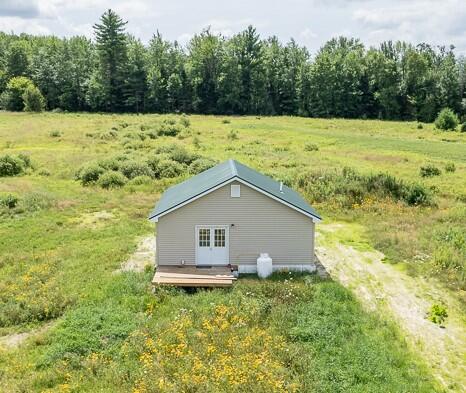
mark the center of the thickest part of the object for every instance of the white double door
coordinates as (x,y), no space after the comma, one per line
(212,245)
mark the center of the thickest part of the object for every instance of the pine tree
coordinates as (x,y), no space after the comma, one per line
(112,51)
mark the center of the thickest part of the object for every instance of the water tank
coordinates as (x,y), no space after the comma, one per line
(264,265)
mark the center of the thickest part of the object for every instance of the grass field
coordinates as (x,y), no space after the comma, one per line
(61,242)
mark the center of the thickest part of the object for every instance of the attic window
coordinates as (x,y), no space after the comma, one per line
(235,190)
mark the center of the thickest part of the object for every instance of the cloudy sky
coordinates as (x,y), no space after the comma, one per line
(310,22)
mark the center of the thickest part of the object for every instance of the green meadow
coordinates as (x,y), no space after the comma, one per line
(75,204)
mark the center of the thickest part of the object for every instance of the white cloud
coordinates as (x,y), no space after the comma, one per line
(310,22)
(436,22)
(16,25)
(19,8)
(307,34)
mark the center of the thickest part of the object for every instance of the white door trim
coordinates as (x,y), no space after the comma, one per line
(212,229)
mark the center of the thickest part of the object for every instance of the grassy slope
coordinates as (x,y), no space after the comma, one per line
(52,262)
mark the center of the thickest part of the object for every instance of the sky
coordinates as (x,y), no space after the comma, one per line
(311,23)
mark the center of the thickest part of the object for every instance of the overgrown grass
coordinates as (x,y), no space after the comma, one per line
(289,334)
(60,244)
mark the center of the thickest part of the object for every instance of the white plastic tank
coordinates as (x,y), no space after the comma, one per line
(264,265)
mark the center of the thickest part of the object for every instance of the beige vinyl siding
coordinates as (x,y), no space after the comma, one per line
(261,224)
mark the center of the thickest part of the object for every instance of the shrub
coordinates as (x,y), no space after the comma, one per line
(131,169)
(26,160)
(9,200)
(437,314)
(232,135)
(429,171)
(11,165)
(446,120)
(90,174)
(112,163)
(112,179)
(349,188)
(450,167)
(201,165)
(417,195)
(43,172)
(138,180)
(311,147)
(420,126)
(463,127)
(55,134)
(169,169)
(196,142)
(226,121)
(33,99)
(168,128)
(12,98)
(184,121)
(178,153)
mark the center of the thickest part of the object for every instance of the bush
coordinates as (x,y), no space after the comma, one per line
(11,165)
(463,127)
(201,165)
(226,121)
(184,121)
(416,195)
(349,188)
(139,180)
(168,128)
(112,179)
(131,169)
(55,134)
(33,99)
(420,126)
(429,171)
(90,174)
(43,172)
(232,135)
(311,147)
(9,201)
(112,163)
(450,167)
(437,314)
(169,169)
(178,153)
(26,160)
(12,98)
(446,120)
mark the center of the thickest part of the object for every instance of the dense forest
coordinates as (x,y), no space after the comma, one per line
(242,74)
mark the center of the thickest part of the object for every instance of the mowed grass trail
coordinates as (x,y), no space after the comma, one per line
(95,329)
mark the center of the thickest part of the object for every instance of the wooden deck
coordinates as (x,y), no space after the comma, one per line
(192,276)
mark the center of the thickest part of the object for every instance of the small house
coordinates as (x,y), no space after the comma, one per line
(231,214)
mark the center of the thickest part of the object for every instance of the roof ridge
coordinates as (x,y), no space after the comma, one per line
(232,163)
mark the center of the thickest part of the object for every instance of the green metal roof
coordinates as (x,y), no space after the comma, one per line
(223,173)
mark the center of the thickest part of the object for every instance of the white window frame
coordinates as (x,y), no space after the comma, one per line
(235,190)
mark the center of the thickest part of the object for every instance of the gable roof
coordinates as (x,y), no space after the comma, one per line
(222,174)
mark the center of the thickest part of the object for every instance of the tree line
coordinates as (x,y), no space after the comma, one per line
(243,74)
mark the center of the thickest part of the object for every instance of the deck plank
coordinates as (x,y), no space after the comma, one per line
(192,276)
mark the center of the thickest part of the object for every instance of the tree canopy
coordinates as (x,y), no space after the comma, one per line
(242,74)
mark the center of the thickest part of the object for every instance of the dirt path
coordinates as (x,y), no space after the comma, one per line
(142,257)
(381,287)
(11,341)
